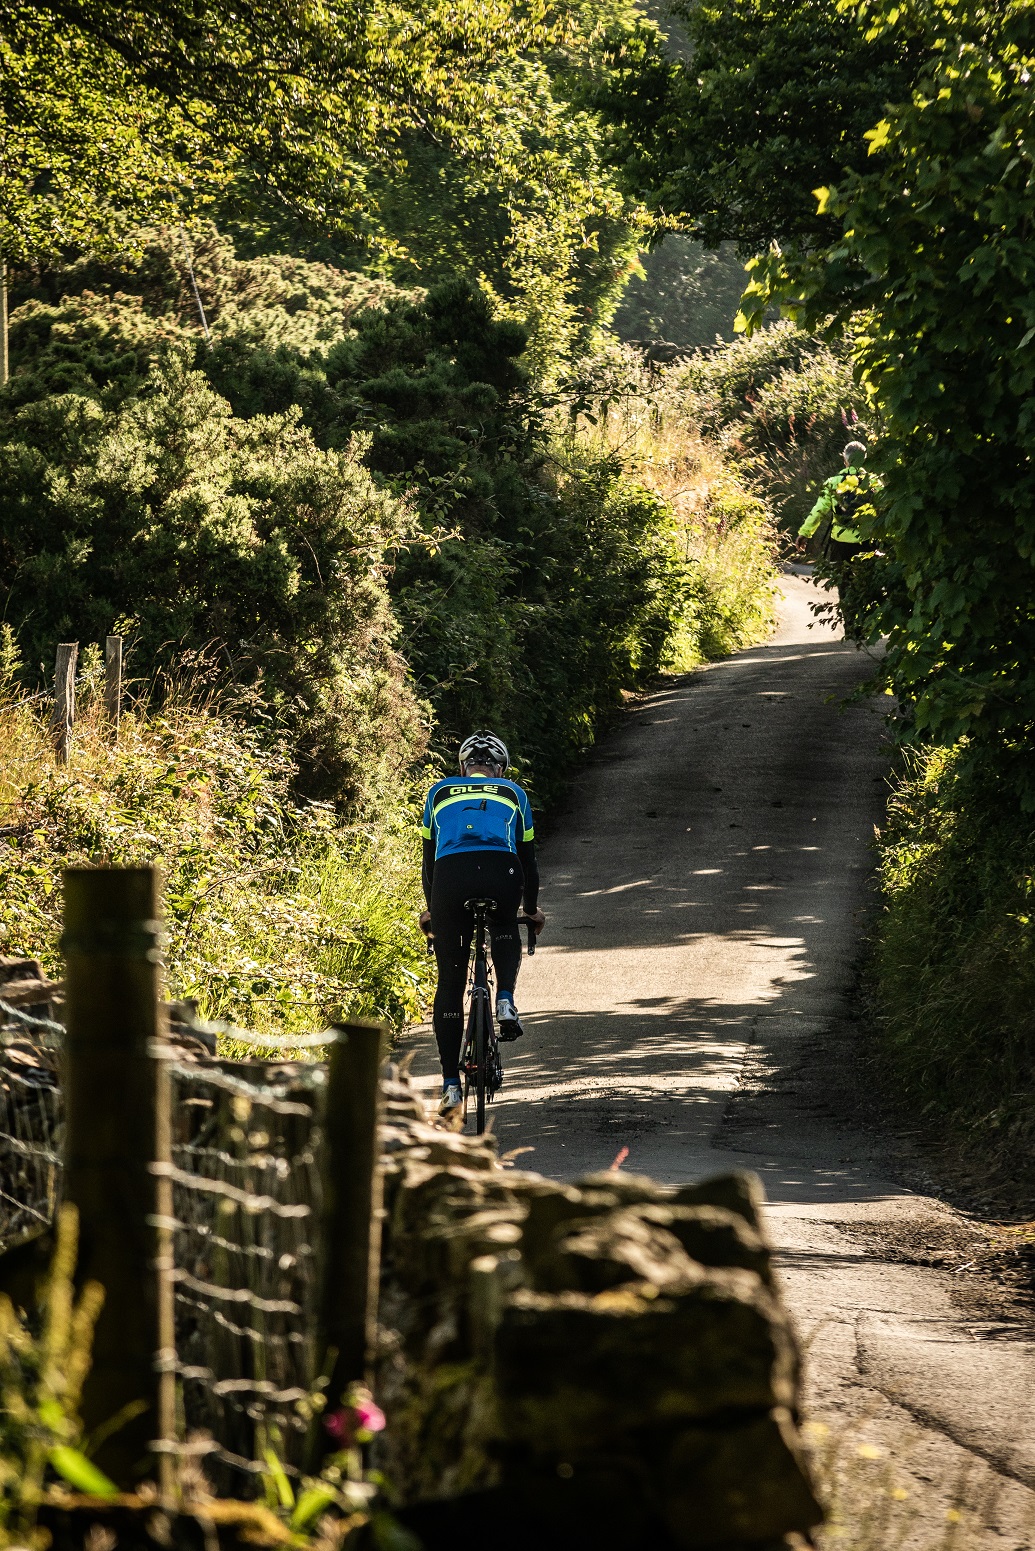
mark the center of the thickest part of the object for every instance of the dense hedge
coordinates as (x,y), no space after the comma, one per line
(345,473)
(782,404)
(955,958)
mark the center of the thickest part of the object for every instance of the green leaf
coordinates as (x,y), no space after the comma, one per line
(390,1535)
(310,1505)
(81,1472)
(277,1475)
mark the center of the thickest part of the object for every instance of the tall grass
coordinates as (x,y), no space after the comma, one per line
(279,916)
(720,530)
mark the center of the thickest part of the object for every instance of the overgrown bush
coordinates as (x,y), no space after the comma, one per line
(718,532)
(279,916)
(783,406)
(340,459)
(193,527)
(956,955)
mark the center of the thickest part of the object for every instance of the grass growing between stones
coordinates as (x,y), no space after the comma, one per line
(867,1506)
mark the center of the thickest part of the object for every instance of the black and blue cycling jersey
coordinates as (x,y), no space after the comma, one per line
(469,814)
(476,813)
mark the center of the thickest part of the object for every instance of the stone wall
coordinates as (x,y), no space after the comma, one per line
(607,1363)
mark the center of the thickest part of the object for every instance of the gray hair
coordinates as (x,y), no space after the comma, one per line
(859,447)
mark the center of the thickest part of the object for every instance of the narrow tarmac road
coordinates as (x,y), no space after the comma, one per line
(706,890)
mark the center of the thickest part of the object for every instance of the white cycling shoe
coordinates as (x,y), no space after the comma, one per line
(452,1098)
(507,1020)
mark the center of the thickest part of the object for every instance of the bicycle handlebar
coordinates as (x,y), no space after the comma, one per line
(526,921)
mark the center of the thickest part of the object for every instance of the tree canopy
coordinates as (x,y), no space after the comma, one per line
(935,247)
(485,137)
(774,99)
(121,106)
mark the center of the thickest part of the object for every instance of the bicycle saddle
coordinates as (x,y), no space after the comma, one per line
(479,904)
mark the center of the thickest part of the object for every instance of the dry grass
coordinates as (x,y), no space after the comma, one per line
(279,916)
(869,1507)
(719,526)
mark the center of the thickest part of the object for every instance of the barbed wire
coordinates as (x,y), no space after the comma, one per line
(28,1021)
(255,1041)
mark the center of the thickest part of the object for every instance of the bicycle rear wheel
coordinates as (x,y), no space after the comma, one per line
(468,1059)
(481,1047)
(474,1059)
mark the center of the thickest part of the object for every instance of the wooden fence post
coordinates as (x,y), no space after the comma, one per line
(63,716)
(351,1228)
(114,1134)
(113,683)
(4,362)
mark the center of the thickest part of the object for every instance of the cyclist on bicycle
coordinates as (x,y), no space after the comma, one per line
(479,843)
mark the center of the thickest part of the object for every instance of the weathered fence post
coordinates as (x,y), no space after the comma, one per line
(113,683)
(115,1132)
(351,1228)
(63,716)
(4,364)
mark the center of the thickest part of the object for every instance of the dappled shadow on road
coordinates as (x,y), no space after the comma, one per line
(700,889)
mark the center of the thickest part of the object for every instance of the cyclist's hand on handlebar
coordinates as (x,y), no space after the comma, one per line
(424,921)
(537,919)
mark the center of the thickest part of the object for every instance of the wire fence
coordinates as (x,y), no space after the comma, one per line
(246,1212)
(31,1123)
(246,1209)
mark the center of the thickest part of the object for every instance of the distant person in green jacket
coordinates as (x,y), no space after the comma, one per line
(841,501)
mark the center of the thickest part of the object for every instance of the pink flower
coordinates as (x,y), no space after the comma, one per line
(356,1421)
(369,1416)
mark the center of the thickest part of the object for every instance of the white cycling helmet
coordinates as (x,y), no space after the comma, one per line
(484,748)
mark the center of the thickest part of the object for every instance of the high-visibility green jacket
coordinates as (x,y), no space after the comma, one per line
(843,498)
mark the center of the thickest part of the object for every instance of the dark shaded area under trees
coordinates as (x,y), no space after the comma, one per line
(224,496)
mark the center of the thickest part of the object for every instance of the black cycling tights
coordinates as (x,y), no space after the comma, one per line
(471,875)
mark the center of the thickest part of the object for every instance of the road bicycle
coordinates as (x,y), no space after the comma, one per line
(480,1061)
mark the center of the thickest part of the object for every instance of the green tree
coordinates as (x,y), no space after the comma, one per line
(774,99)
(202,531)
(86,148)
(112,113)
(545,215)
(936,246)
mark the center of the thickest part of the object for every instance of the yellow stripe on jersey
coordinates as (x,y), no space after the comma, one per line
(473,798)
